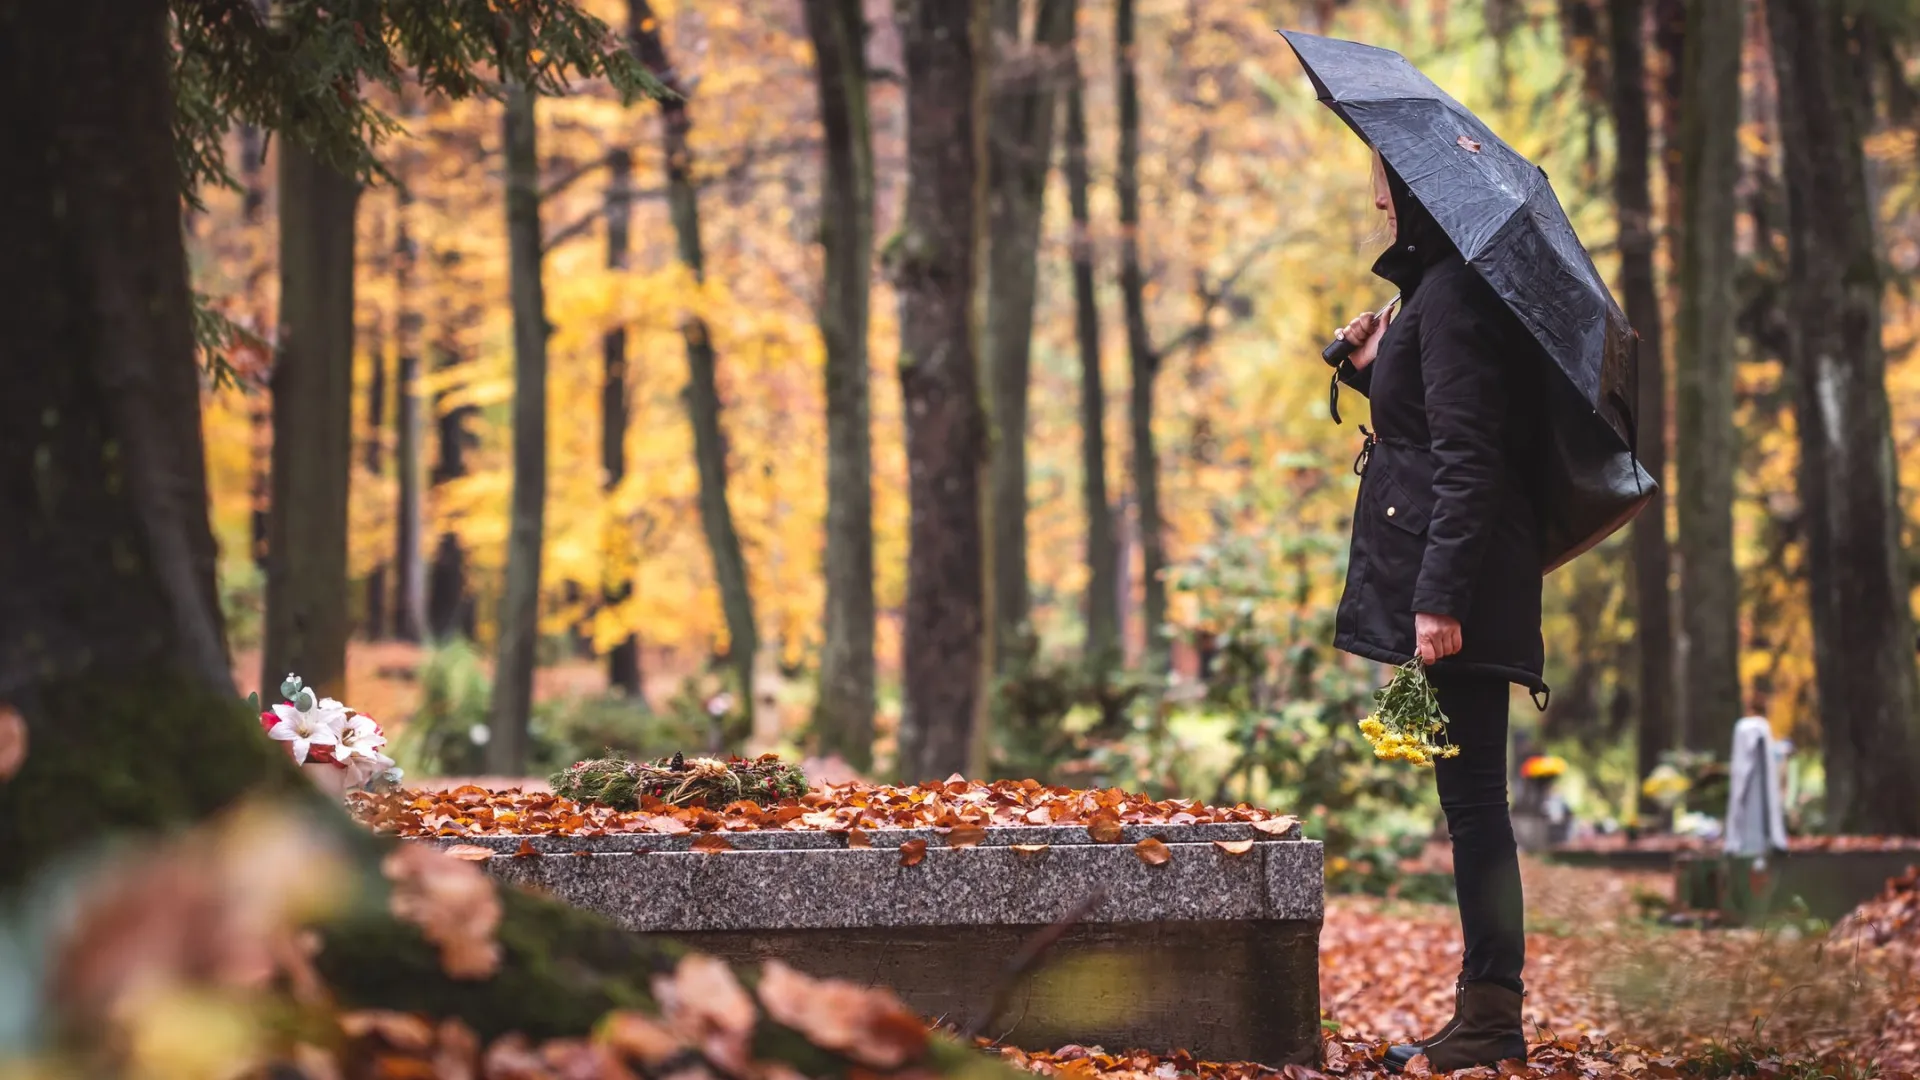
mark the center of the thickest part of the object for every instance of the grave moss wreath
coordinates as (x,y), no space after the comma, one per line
(680,781)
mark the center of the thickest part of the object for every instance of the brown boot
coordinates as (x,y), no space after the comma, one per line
(1486,1029)
(1401,1053)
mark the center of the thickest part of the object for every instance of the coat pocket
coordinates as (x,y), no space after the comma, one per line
(1399,509)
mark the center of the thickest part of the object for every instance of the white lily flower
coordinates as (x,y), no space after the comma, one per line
(333,714)
(303,729)
(359,750)
(361,738)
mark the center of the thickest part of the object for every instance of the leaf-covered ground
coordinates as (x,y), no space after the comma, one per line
(1619,843)
(1610,995)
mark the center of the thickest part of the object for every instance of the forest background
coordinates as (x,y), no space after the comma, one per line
(689,489)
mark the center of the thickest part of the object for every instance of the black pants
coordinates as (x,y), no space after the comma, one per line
(1486,864)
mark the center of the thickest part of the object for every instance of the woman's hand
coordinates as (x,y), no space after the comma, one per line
(1438,636)
(1364,333)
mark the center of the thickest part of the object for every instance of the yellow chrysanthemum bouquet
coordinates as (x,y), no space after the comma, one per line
(1406,723)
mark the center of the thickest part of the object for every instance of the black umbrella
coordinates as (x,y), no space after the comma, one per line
(1499,210)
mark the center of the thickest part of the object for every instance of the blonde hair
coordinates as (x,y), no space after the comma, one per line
(1381,233)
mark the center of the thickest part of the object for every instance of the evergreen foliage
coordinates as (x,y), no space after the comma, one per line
(303,71)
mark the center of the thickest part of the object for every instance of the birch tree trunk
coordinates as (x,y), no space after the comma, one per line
(932,261)
(1862,628)
(1704,362)
(843,716)
(512,702)
(306,618)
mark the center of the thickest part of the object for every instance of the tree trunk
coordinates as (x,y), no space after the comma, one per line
(1652,556)
(409,571)
(110,625)
(374,625)
(1704,360)
(702,392)
(1019,143)
(843,716)
(1143,362)
(1863,630)
(449,605)
(520,601)
(623,660)
(1103,577)
(312,428)
(932,261)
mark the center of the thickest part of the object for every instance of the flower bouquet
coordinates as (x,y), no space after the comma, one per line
(337,748)
(1406,723)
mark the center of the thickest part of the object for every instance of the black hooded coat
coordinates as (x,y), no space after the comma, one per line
(1447,520)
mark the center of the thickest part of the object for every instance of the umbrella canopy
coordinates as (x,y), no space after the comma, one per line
(1496,207)
(1500,212)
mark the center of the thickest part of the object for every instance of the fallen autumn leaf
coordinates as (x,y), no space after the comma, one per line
(1235,848)
(912,852)
(1152,852)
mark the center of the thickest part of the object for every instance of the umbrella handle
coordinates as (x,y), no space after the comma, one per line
(1337,353)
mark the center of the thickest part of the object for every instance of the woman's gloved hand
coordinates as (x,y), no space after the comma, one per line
(1437,636)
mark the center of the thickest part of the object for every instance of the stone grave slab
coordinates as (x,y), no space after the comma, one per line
(1211,951)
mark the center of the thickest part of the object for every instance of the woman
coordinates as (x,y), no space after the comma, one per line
(1446,565)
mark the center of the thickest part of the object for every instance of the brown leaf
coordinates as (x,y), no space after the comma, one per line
(1469,144)
(707,1008)
(966,836)
(668,825)
(1420,1068)
(1105,831)
(452,902)
(638,1036)
(1235,848)
(858,838)
(458,1056)
(1152,852)
(13,741)
(869,1026)
(1028,850)
(401,1031)
(712,843)
(1279,826)
(526,850)
(511,1058)
(470,852)
(912,852)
